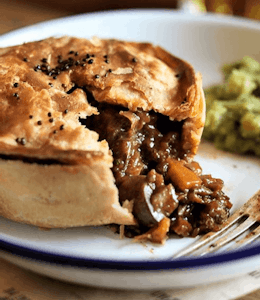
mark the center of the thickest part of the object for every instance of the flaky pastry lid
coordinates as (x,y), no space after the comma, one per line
(40,106)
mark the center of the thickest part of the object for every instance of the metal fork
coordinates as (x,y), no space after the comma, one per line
(244,219)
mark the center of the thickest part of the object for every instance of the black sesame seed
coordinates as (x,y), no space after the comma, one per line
(44,67)
(93,55)
(61,127)
(50,84)
(76,53)
(39,122)
(49,114)
(66,111)
(184,100)
(84,59)
(134,60)
(55,131)
(105,56)
(51,120)
(90,61)
(36,69)
(44,60)
(97,76)
(107,61)
(23,141)
(83,65)
(16,95)
(77,62)
(71,52)
(177,75)
(18,140)
(31,116)
(87,55)
(110,70)
(25,59)
(16,84)
(54,77)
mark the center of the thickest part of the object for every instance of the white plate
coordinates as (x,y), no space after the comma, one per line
(98,257)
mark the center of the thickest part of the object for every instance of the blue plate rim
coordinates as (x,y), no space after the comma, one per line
(183,263)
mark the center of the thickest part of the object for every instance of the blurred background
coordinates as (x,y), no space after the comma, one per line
(19,13)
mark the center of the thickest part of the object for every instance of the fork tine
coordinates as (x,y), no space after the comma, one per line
(250,208)
(207,238)
(230,236)
(249,238)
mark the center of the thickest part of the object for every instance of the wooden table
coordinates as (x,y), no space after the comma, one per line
(17,14)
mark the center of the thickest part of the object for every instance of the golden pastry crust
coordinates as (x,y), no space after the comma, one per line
(39,123)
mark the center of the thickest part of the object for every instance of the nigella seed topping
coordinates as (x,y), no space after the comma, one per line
(87,55)
(83,65)
(23,141)
(134,60)
(107,61)
(49,114)
(97,76)
(76,53)
(77,63)
(16,84)
(84,59)
(51,120)
(110,70)
(50,84)
(93,55)
(177,75)
(39,122)
(55,131)
(16,95)
(90,61)
(66,111)
(61,127)
(54,77)
(44,60)
(105,56)
(25,59)
(184,100)
(71,52)
(31,116)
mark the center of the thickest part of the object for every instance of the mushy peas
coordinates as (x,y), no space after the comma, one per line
(233,108)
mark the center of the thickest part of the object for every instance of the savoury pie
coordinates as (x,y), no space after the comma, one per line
(96,132)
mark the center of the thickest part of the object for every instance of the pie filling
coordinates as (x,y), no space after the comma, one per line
(167,193)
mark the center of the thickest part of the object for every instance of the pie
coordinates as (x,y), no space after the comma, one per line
(96,132)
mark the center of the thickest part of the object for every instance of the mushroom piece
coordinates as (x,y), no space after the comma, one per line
(152,199)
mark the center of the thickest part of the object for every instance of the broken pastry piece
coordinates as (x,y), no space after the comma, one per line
(96,132)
